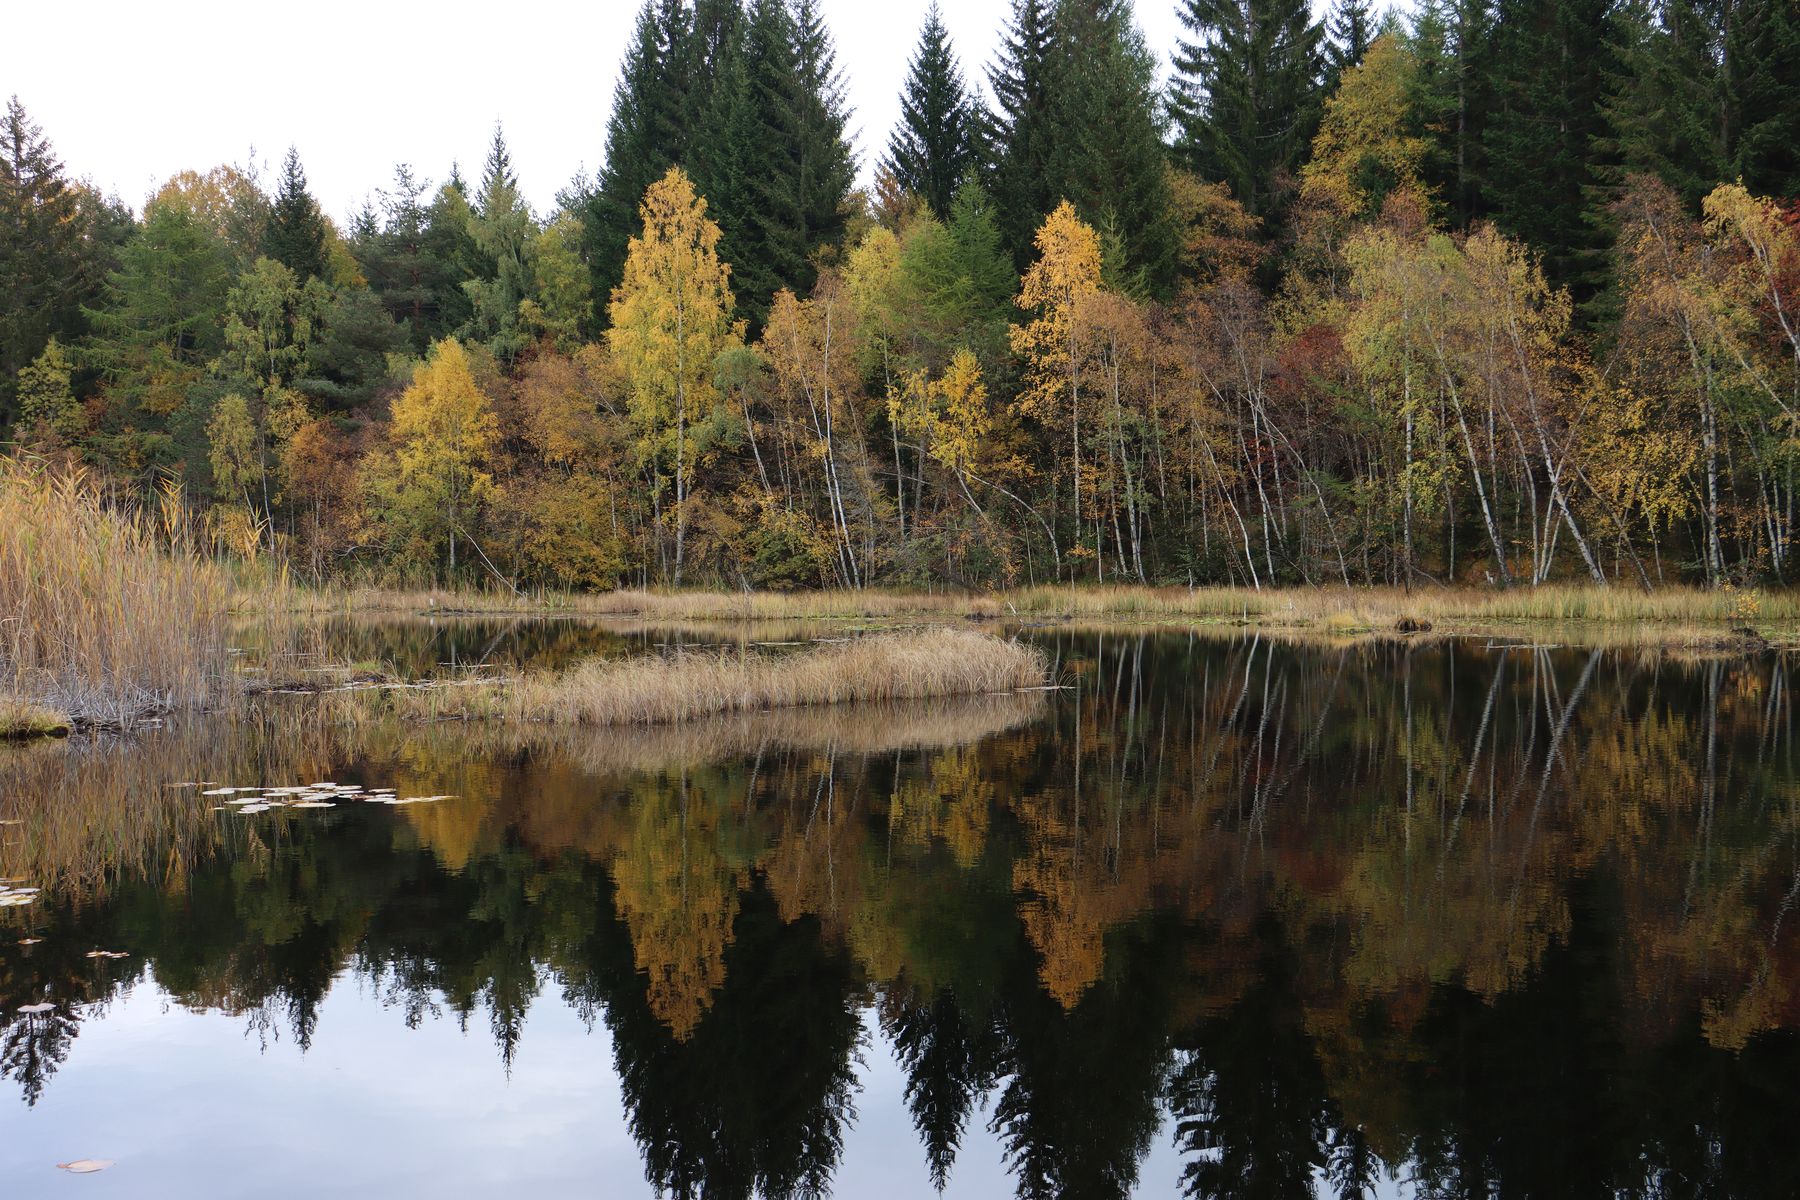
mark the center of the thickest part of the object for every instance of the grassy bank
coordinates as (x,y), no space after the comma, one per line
(1327,608)
(658,691)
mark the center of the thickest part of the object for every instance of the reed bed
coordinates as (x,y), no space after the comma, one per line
(667,690)
(1336,606)
(105,615)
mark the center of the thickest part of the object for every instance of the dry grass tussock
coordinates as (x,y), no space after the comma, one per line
(105,615)
(659,690)
(1334,607)
(855,729)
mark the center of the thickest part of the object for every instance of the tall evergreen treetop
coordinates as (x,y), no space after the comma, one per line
(1550,63)
(1246,93)
(645,134)
(1020,132)
(1107,154)
(296,233)
(1349,29)
(827,164)
(40,246)
(1763,94)
(934,145)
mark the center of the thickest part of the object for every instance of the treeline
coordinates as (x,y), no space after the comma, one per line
(1495,290)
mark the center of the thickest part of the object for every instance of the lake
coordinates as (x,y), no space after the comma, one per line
(1222,917)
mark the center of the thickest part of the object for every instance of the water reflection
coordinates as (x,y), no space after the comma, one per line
(1453,919)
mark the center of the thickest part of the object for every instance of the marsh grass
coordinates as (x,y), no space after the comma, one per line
(1337,608)
(655,690)
(105,615)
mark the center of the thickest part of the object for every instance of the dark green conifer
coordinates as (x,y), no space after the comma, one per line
(296,234)
(1246,94)
(933,147)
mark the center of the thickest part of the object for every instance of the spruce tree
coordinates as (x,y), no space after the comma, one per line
(1020,132)
(827,163)
(644,135)
(295,235)
(1664,107)
(1453,94)
(503,230)
(933,147)
(1350,29)
(1107,154)
(1246,94)
(1551,61)
(45,273)
(1762,95)
(753,163)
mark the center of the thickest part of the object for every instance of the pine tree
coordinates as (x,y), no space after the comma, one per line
(1350,30)
(1246,95)
(296,234)
(1020,132)
(934,146)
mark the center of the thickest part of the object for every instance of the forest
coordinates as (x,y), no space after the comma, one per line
(1486,292)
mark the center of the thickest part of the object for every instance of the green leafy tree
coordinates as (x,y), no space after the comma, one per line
(45,398)
(562,301)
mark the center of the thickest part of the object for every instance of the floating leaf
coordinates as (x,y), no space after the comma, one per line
(85,1166)
(37,1008)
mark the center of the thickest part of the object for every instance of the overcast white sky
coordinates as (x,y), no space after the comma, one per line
(131,92)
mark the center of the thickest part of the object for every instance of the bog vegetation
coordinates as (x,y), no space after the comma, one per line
(110,614)
(657,691)
(1355,302)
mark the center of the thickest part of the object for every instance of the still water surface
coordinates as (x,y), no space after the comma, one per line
(1224,918)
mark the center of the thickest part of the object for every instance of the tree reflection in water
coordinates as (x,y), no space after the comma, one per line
(1494,921)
